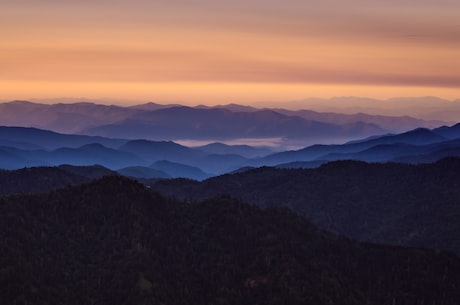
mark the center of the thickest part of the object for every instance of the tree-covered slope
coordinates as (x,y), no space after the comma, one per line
(44,179)
(416,205)
(115,242)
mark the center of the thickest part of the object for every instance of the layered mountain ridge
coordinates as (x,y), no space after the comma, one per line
(174,122)
(127,147)
(22,147)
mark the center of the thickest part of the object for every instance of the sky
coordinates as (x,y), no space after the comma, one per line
(214,52)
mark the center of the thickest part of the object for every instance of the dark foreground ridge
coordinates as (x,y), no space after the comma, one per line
(391,203)
(113,241)
(44,179)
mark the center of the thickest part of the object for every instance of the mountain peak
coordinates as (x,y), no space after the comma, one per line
(421,135)
(93,146)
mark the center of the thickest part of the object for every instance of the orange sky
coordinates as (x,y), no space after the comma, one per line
(202,51)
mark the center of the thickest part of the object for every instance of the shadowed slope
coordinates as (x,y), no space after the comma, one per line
(401,204)
(114,242)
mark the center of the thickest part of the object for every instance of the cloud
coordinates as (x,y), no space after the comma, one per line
(341,43)
(140,65)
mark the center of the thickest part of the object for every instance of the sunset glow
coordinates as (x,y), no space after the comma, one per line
(213,51)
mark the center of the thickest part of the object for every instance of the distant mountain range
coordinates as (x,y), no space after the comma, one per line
(407,147)
(425,107)
(20,147)
(223,124)
(212,124)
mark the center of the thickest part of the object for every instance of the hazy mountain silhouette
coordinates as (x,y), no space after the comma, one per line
(115,242)
(407,153)
(425,107)
(237,108)
(450,132)
(65,118)
(396,122)
(175,170)
(378,153)
(220,164)
(373,149)
(241,150)
(432,156)
(153,151)
(51,140)
(12,158)
(89,154)
(127,154)
(390,123)
(93,154)
(223,122)
(160,150)
(19,145)
(415,146)
(216,123)
(400,152)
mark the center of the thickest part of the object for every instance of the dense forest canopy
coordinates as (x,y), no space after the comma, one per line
(401,204)
(113,241)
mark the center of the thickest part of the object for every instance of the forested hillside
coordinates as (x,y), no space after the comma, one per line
(115,242)
(416,205)
(43,179)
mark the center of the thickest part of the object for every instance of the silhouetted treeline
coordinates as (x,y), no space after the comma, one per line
(43,179)
(115,242)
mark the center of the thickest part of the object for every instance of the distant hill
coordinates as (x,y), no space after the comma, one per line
(242,150)
(50,140)
(150,106)
(160,150)
(388,203)
(390,123)
(41,151)
(450,132)
(403,153)
(176,170)
(62,117)
(11,158)
(19,145)
(115,242)
(216,123)
(26,147)
(375,149)
(89,154)
(204,159)
(431,156)
(423,107)
(93,154)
